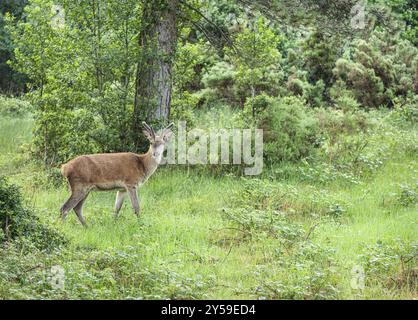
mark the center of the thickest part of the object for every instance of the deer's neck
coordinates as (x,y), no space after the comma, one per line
(151,164)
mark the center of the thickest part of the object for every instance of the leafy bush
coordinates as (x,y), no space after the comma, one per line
(298,85)
(253,223)
(14,107)
(215,120)
(183,106)
(319,54)
(111,274)
(352,145)
(60,136)
(17,221)
(347,103)
(405,113)
(408,195)
(218,82)
(23,271)
(358,143)
(378,70)
(92,274)
(258,62)
(334,123)
(323,173)
(290,131)
(308,273)
(255,106)
(272,196)
(393,264)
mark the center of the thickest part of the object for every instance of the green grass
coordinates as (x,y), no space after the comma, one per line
(182,230)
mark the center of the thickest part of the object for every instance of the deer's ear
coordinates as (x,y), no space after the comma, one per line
(167,133)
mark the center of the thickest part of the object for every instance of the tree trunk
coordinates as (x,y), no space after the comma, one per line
(157,41)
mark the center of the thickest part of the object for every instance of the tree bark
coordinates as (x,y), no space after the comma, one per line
(157,41)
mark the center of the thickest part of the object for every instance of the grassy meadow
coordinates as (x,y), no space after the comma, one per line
(333,89)
(279,236)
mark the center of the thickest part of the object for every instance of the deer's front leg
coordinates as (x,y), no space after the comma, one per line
(133,195)
(120,196)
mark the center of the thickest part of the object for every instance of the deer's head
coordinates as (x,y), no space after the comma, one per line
(157,141)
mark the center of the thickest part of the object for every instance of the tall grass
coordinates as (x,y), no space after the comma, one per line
(14,132)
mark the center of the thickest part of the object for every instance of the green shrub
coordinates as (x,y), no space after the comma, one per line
(315,94)
(110,274)
(218,84)
(62,135)
(262,194)
(408,195)
(290,131)
(23,273)
(405,113)
(183,107)
(309,272)
(255,106)
(254,224)
(324,173)
(347,103)
(378,70)
(347,140)
(18,221)
(392,264)
(333,123)
(14,107)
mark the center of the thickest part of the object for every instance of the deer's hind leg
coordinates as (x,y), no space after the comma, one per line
(78,193)
(133,195)
(78,209)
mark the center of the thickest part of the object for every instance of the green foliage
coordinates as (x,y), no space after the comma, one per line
(218,82)
(258,59)
(379,70)
(311,274)
(405,114)
(408,196)
(392,264)
(344,135)
(298,85)
(281,236)
(290,131)
(347,103)
(18,221)
(288,200)
(253,223)
(254,107)
(100,274)
(319,55)
(214,120)
(78,72)
(11,82)
(262,210)
(87,65)
(405,11)
(60,136)
(339,174)
(91,274)
(190,65)
(13,107)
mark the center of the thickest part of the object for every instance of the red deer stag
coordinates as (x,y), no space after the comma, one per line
(125,172)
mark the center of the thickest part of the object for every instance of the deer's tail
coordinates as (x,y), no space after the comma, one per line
(64,170)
